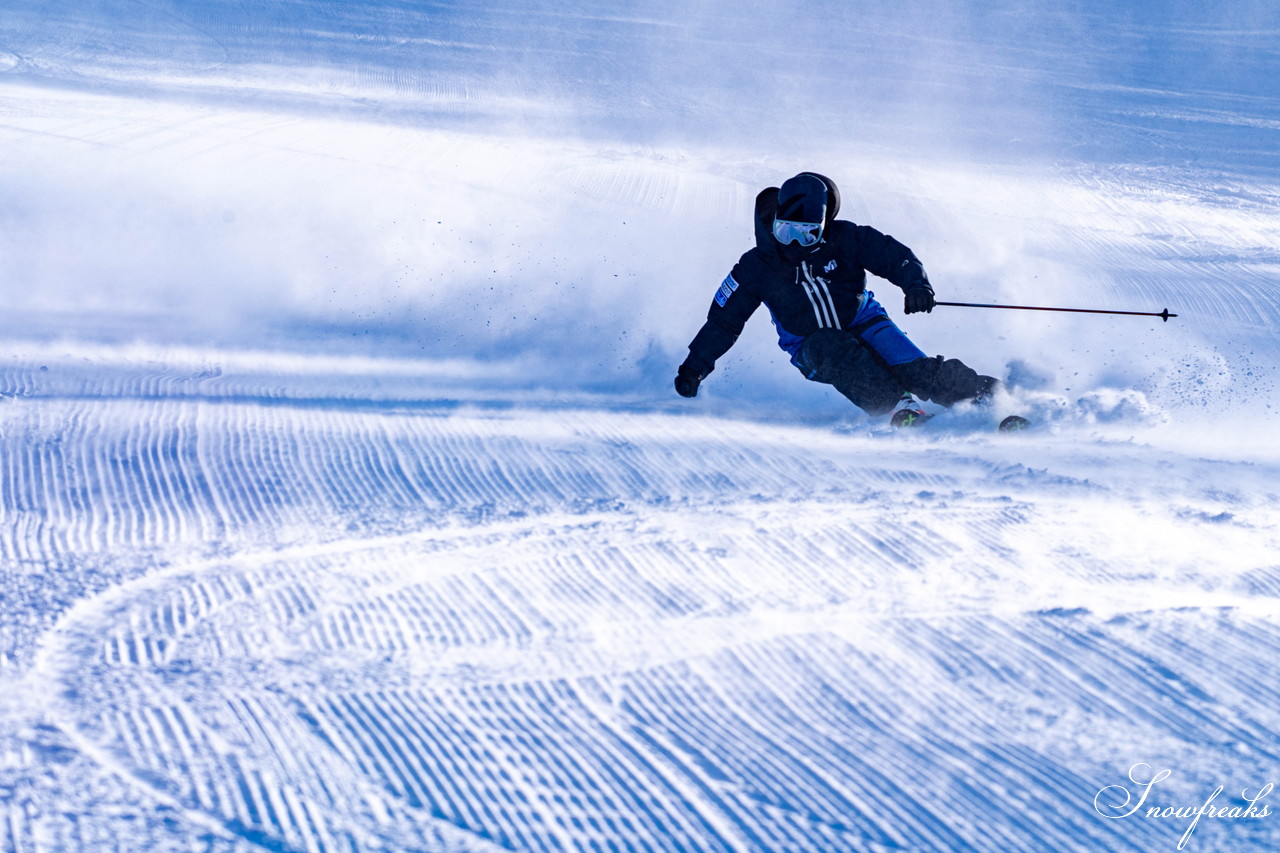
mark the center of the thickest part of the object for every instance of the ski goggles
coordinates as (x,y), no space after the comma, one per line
(804,233)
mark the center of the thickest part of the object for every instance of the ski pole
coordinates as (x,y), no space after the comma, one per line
(1163,315)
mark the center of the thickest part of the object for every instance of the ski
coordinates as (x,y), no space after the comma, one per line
(911,418)
(909,414)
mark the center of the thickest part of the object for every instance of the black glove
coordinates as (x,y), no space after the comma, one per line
(687,381)
(919,298)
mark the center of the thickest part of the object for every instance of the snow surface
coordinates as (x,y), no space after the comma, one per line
(345,503)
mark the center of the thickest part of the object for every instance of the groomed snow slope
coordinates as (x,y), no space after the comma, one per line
(312,625)
(345,505)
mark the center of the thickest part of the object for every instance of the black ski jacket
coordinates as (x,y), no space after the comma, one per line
(824,290)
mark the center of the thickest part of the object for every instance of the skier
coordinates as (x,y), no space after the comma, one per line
(810,270)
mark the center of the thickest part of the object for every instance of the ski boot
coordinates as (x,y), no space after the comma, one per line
(1014,423)
(908,412)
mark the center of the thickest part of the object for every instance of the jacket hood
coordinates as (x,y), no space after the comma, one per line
(766,206)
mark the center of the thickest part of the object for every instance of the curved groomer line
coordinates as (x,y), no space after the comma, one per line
(742,666)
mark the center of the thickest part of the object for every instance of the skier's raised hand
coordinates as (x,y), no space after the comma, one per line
(919,297)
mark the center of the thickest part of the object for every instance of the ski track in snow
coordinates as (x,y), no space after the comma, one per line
(469,629)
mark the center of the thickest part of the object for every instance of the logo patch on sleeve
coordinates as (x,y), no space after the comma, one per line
(727,287)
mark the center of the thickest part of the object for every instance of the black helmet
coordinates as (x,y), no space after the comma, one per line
(807,204)
(833,195)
